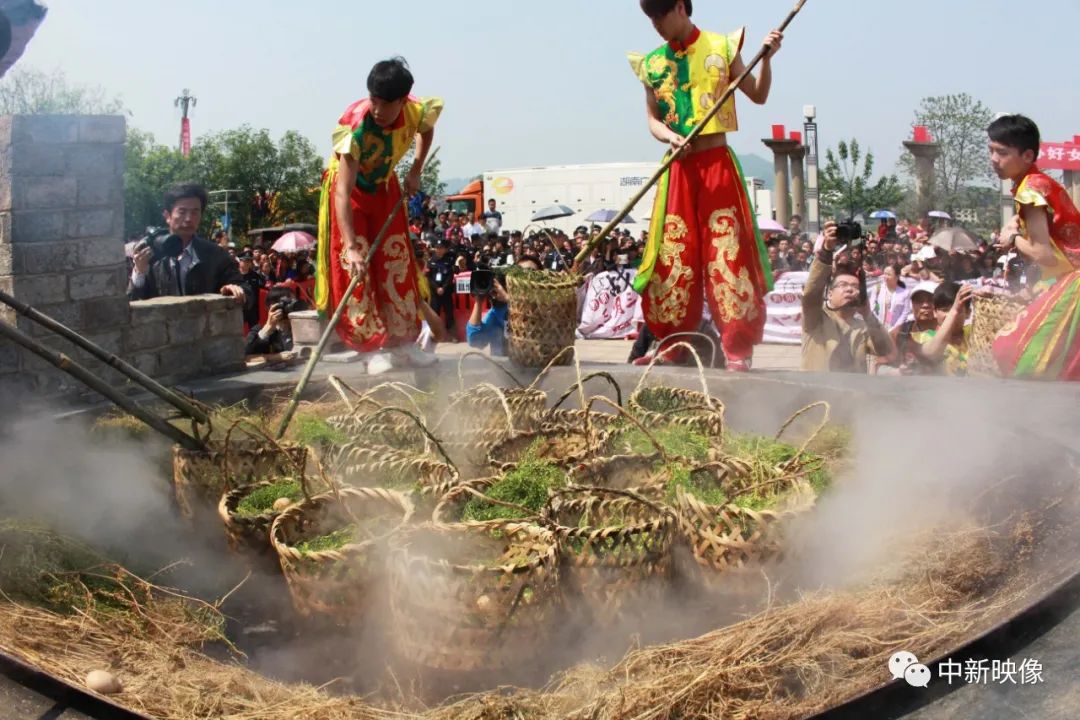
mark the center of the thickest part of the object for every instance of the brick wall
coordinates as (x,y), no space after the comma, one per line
(175,338)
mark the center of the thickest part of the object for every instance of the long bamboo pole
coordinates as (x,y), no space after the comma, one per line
(676,154)
(172,397)
(331,327)
(77,371)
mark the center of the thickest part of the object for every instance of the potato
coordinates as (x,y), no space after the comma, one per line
(282,503)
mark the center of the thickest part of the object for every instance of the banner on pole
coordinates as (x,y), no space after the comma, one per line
(185,137)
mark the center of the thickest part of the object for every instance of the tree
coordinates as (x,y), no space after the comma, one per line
(958,123)
(430,183)
(277,183)
(846,187)
(36,92)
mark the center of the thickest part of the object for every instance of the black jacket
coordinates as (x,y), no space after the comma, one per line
(277,342)
(215,269)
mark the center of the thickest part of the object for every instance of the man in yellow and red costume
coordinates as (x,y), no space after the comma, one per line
(704,245)
(360,189)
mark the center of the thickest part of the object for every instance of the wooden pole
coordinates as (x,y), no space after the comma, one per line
(170,396)
(92,381)
(331,327)
(676,154)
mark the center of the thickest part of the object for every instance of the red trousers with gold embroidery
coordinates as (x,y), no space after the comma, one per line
(710,253)
(383,311)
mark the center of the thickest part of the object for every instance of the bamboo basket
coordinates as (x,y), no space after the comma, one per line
(423,478)
(246,535)
(728,536)
(200,477)
(616,548)
(992,314)
(464,617)
(669,406)
(543,316)
(337,585)
(561,446)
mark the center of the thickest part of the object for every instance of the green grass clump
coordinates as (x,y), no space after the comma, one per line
(261,500)
(330,541)
(676,440)
(526,485)
(316,431)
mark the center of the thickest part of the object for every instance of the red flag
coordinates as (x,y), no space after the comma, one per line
(185,137)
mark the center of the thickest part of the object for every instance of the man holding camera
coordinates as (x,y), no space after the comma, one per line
(838,334)
(179,262)
(276,335)
(489,329)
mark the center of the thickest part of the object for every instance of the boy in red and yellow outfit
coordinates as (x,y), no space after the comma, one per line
(704,244)
(359,190)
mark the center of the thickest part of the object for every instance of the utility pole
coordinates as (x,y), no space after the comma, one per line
(813,191)
(185,102)
(226,198)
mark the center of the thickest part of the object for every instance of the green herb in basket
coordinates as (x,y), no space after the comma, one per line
(526,485)
(676,440)
(316,431)
(261,500)
(330,541)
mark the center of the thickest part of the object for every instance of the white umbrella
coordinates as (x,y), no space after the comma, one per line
(939,214)
(952,239)
(768,225)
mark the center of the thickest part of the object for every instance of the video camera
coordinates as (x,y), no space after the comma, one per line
(162,244)
(482,282)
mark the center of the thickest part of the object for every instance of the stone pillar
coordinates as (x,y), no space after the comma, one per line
(61,238)
(781,199)
(798,183)
(925,154)
(1072,184)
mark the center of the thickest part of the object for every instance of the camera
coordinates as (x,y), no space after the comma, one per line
(289,306)
(482,282)
(162,244)
(848,232)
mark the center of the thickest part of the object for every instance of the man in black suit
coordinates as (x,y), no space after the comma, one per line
(201,267)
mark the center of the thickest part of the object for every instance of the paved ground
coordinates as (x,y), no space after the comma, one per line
(766,357)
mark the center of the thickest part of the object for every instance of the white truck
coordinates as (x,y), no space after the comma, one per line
(520,193)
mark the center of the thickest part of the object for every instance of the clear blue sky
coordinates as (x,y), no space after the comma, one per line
(539,83)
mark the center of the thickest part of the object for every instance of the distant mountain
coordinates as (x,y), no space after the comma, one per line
(758,167)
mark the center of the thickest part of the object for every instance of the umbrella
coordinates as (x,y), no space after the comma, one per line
(553,212)
(939,214)
(951,239)
(606,216)
(768,225)
(294,242)
(883,215)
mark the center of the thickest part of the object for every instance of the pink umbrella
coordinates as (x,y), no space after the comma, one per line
(294,241)
(768,225)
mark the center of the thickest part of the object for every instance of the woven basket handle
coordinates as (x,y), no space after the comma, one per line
(477,353)
(495,391)
(622,412)
(600,374)
(586,489)
(423,428)
(693,353)
(813,435)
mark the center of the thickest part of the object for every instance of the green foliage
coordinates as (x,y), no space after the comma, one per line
(430,184)
(847,186)
(28,91)
(261,500)
(958,123)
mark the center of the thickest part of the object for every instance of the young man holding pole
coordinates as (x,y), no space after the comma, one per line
(360,190)
(704,245)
